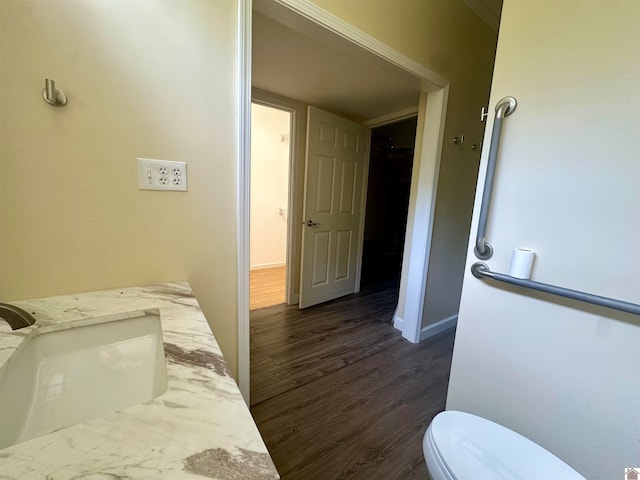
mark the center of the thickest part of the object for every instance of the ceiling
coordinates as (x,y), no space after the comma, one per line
(294,65)
(333,76)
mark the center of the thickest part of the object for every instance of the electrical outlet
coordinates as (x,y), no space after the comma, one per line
(162,175)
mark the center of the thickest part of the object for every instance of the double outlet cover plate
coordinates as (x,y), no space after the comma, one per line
(162,175)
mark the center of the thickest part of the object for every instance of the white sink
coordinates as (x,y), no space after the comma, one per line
(58,378)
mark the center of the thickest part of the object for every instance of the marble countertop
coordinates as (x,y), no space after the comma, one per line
(199,428)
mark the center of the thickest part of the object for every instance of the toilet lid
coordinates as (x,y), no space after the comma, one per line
(473,447)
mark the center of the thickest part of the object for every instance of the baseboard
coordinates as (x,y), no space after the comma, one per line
(262,266)
(296,299)
(438,327)
(397,322)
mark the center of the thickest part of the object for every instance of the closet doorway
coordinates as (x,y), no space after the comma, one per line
(390,167)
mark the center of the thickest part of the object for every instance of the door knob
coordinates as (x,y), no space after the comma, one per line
(311,223)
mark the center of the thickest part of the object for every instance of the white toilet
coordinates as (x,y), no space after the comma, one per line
(461,446)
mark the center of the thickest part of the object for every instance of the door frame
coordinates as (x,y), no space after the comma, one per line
(297,128)
(431,114)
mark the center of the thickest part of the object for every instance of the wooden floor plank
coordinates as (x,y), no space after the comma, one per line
(350,399)
(266,287)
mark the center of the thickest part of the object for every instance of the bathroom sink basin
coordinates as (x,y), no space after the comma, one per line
(61,376)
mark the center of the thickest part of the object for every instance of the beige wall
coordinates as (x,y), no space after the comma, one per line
(269,185)
(445,36)
(144,79)
(562,373)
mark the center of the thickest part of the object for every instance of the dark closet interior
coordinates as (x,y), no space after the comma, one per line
(388,190)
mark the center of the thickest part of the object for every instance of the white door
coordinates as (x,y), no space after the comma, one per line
(336,157)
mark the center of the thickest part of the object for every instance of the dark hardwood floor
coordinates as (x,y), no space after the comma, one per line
(337,393)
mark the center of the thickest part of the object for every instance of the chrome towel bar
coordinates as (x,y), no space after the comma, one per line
(504,108)
(481,270)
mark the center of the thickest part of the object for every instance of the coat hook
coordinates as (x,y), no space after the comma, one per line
(458,140)
(52,95)
(484,114)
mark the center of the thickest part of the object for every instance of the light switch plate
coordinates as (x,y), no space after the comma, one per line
(162,175)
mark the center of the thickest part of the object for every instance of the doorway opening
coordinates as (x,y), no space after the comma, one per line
(389,186)
(269,208)
(267,67)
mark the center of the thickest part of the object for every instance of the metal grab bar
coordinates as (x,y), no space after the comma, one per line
(504,108)
(481,270)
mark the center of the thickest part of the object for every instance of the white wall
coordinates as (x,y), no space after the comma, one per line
(568,185)
(269,185)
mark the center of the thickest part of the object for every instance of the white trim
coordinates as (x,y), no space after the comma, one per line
(337,26)
(243,165)
(397,321)
(298,112)
(486,14)
(424,187)
(429,330)
(264,266)
(438,327)
(392,117)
